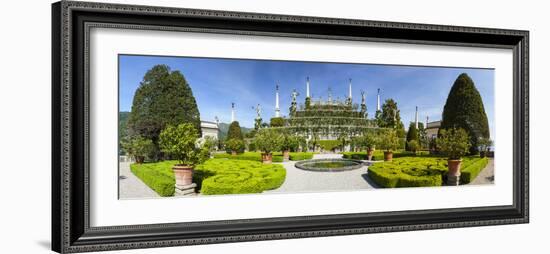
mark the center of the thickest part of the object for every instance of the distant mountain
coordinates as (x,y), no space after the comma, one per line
(224,127)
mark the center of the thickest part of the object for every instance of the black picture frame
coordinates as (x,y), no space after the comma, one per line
(71,22)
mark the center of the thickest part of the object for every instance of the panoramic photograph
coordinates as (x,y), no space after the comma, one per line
(192,126)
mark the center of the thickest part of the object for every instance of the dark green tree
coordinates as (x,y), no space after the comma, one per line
(389,117)
(412,134)
(464,109)
(277,122)
(163,98)
(234,131)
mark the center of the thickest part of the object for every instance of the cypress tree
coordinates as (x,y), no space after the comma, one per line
(412,134)
(464,109)
(234,131)
(163,98)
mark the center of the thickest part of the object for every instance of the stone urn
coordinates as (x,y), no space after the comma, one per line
(388,155)
(453,176)
(267,158)
(370,152)
(184,179)
(286,155)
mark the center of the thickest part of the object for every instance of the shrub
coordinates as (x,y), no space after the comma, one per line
(413,145)
(367,141)
(470,172)
(412,134)
(221,176)
(421,171)
(158,176)
(453,143)
(139,148)
(299,156)
(181,143)
(251,156)
(329,145)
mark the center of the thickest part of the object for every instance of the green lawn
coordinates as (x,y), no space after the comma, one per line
(426,170)
(215,176)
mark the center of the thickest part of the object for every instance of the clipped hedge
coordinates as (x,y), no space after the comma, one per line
(251,156)
(223,176)
(379,155)
(421,171)
(158,176)
(470,171)
(257,156)
(300,156)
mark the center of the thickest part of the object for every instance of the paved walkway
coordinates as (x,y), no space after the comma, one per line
(487,175)
(131,187)
(298,180)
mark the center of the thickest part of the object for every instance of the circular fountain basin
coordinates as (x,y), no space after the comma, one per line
(329,165)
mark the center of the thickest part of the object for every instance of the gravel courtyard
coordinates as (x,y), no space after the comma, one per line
(298,180)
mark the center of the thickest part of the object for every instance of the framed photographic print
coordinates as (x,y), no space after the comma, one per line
(181,126)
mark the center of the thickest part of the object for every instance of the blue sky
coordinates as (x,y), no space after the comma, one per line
(218,82)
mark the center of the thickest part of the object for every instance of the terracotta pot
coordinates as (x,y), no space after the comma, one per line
(454,167)
(453,176)
(267,158)
(388,156)
(183,174)
(286,155)
(234,153)
(369,154)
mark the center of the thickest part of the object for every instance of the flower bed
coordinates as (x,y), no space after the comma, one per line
(421,171)
(223,176)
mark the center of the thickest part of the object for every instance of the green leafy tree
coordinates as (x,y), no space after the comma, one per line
(277,122)
(453,142)
(368,140)
(163,98)
(388,140)
(413,145)
(308,103)
(268,140)
(412,134)
(484,144)
(390,117)
(464,109)
(235,145)
(181,142)
(139,148)
(234,131)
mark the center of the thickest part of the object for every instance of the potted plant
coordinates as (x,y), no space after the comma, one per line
(139,147)
(368,141)
(181,142)
(234,145)
(289,143)
(454,143)
(389,142)
(413,146)
(484,146)
(267,141)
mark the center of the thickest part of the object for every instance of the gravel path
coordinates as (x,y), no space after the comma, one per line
(298,180)
(131,187)
(487,175)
